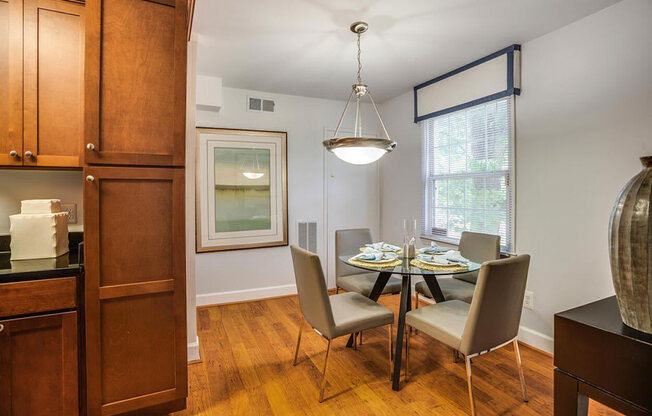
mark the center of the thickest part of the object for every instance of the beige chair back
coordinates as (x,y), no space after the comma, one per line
(349,242)
(478,248)
(313,294)
(495,312)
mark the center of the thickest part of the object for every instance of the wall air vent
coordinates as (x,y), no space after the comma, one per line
(260,104)
(307,235)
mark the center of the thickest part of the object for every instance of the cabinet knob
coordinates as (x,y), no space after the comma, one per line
(1,327)
(90,146)
(90,178)
(28,154)
(13,153)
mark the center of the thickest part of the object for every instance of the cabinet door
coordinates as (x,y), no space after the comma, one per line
(38,366)
(135,87)
(135,288)
(53,83)
(11,83)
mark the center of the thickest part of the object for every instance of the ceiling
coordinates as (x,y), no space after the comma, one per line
(304,47)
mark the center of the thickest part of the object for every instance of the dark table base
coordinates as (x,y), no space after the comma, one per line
(405,306)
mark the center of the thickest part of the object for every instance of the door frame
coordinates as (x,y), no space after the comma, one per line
(328,133)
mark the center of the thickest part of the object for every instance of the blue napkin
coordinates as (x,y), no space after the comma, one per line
(434,249)
(382,246)
(369,254)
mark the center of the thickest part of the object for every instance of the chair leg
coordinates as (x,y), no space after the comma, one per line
(407,353)
(296,352)
(470,383)
(416,306)
(520,370)
(390,345)
(337,289)
(323,376)
(456,356)
(355,341)
(360,337)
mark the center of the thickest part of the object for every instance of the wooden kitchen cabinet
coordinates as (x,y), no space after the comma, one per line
(11,83)
(53,83)
(41,83)
(135,82)
(134,232)
(38,365)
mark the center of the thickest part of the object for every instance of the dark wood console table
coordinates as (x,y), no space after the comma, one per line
(598,357)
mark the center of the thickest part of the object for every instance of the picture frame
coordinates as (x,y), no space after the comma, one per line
(241,195)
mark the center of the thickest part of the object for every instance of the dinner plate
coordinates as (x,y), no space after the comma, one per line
(384,259)
(423,258)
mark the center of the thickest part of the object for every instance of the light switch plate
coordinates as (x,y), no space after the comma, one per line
(72,212)
(528,301)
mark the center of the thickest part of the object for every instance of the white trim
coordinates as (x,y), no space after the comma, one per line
(244,295)
(536,339)
(526,335)
(193,350)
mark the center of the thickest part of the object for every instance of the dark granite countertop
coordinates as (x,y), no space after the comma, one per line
(68,264)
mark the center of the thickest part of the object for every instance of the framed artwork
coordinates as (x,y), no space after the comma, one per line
(241,193)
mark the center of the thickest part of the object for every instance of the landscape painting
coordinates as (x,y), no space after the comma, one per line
(242,189)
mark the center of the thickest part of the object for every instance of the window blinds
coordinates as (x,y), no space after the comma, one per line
(468,173)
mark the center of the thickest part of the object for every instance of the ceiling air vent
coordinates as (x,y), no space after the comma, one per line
(260,104)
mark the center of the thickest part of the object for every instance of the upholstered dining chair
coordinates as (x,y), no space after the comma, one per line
(333,316)
(476,247)
(490,322)
(349,278)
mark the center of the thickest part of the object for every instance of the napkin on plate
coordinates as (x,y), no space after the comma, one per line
(382,246)
(370,254)
(455,256)
(434,249)
(427,258)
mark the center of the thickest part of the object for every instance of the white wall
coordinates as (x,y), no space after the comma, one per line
(18,184)
(582,120)
(245,274)
(400,171)
(191,290)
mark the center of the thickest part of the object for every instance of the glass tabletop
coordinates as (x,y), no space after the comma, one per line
(406,268)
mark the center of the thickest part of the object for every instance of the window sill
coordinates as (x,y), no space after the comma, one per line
(455,242)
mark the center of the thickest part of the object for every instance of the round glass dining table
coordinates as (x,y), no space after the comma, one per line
(406,271)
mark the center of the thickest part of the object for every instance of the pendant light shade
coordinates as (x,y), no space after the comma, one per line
(359,150)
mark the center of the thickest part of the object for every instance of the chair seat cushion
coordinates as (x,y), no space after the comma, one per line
(453,289)
(353,312)
(443,321)
(364,282)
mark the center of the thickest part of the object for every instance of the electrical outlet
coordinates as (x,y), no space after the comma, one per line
(72,212)
(528,301)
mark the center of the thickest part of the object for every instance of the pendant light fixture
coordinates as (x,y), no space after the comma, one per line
(359,150)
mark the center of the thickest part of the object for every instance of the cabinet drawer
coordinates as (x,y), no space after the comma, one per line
(21,298)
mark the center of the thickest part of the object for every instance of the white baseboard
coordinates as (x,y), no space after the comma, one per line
(536,339)
(244,295)
(193,350)
(525,335)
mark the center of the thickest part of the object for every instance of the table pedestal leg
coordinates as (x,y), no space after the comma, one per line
(433,285)
(398,354)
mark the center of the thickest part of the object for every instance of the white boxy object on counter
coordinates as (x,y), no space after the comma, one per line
(40,206)
(38,235)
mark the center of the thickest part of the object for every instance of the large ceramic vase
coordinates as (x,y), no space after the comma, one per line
(630,236)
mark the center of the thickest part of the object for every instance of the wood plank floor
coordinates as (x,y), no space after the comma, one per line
(246,369)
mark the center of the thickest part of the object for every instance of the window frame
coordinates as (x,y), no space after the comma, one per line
(510,175)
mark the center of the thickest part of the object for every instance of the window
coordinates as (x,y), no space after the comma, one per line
(468,173)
